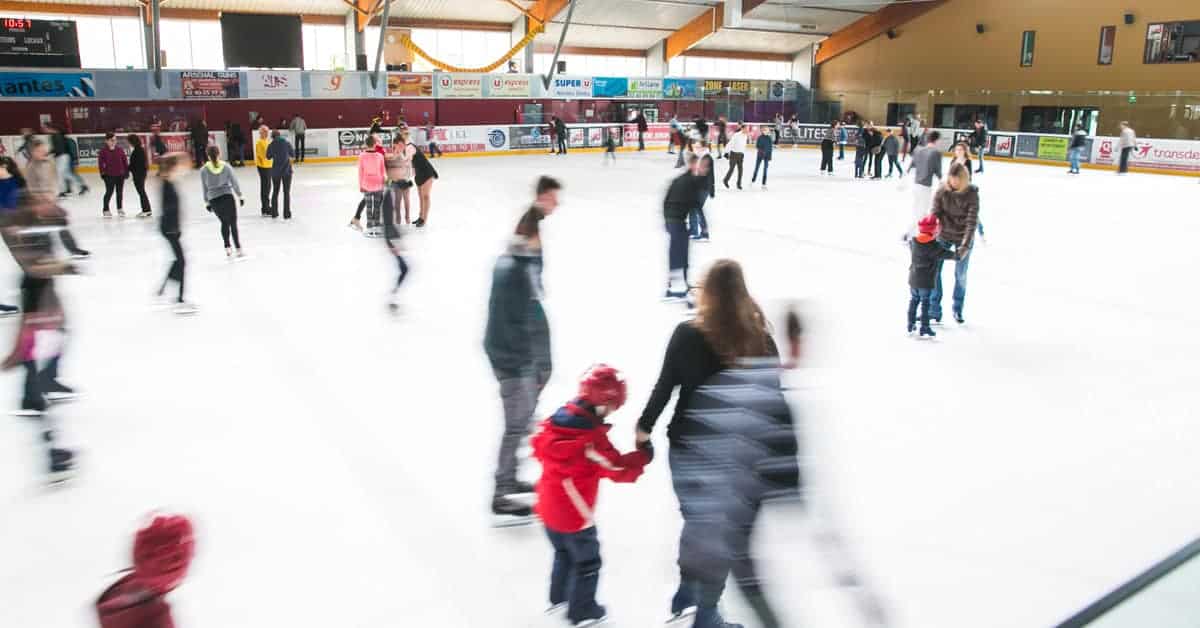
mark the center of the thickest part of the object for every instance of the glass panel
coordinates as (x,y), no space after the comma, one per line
(177,44)
(1027,40)
(1108,40)
(128,50)
(207,53)
(95,41)
(1173,42)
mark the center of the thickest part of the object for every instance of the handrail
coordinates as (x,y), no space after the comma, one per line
(1126,591)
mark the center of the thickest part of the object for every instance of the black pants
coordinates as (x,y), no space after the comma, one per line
(139,184)
(1125,152)
(225,207)
(434,151)
(175,273)
(562,144)
(894,162)
(284,181)
(735,161)
(641,140)
(114,184)
(677,249)
(235,152)
(576,572)
(199,154)
(763,161)
(264,190)
(878,157)
(300,144)
(827,158)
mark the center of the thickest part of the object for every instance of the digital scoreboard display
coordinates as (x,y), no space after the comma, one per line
(26,43)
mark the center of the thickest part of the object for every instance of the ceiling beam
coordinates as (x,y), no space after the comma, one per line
(694,32)
(456,25)
(835,10)
(543,11)
(867,28)
(739,54)
(22,8)
(591,50)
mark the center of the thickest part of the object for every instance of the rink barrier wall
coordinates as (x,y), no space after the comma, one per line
(1154,156)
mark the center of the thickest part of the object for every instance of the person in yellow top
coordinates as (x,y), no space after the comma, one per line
(264,168)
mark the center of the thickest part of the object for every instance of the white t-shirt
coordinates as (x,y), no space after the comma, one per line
(737,143)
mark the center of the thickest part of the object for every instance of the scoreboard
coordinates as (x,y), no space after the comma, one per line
(26,43)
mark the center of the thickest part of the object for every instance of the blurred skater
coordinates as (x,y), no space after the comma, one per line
(573,448)
(722,136)
(281,154)
(610,147)
(517,342)
(162,554)
(391,237)
(171,167)
(682,197)
(139,166)
(222,197)
(431,141)
(697,221)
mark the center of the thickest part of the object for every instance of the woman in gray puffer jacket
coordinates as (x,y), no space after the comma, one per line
(220,186)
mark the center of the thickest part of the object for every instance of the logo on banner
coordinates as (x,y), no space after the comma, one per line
(1143,151)
(445,81)
(496,138)
(777,90)
(1106,149)
(335,83)
(497,83)
(347,138)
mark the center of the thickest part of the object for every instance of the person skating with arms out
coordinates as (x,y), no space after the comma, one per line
(573,448)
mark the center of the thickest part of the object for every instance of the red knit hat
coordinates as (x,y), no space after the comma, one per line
(603,385)
(929,225)
(162,552)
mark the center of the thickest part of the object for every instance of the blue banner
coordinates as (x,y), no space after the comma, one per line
(47,85)
(609,87)
(681,88)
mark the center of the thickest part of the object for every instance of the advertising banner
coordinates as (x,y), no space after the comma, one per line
(1027,146)
(571,87)
(645,88)
(659,134)
(410,85)
(520,137)
(610,87)
(509,86)
(273,84)
(681,88)
(470,139)
(209,84)
(714,88)
(459,85)
(1002,145)
(760,90)
(47,85)
(335,85)
(497,138)
(576,138)
(1054,148)
(1180,155)
(351,142)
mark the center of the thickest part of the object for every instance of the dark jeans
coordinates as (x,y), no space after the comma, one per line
(841,151)
(827,159)
(703,492)
(139,184)
(576,572)
(175,273)
(735,161)
(894,162)
(114,184)
(920,296)
(225,207)
(960,283)
(264,190)
(860,159)
(519,393)
(1125,152)
(284,181)
(562,145)
(677,250)
(434,151)
(878,160)
(236,153)
(300,145)
(765,163)
(641,140)
(697,222)
(199,154)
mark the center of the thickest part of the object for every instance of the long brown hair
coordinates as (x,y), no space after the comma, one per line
(728,317)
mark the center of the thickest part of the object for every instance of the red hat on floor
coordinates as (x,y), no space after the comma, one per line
(603,385)
(929,225)
(162,552)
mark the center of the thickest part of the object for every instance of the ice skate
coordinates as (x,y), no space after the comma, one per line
(683,605)
(240,256)
(507,513)
(145,214)
(120,213)
(62,467)
(355,224)
(558,611)
(8,310)
(56,392)
(927,332)
(184,308)
(711,618)
(958,317)
(106,214)
(598,616)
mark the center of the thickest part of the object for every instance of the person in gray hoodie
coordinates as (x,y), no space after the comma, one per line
(220,188)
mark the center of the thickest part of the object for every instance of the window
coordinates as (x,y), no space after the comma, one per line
(1108,40)
(324,46)
(1173,42)
(1060,120)
(1027,49)
(964,116)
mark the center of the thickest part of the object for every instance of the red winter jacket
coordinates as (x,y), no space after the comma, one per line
(128,604)
(575,453)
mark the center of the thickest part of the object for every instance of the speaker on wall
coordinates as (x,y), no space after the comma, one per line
(562,67)
(979,28)
(1129,18)
(891,33)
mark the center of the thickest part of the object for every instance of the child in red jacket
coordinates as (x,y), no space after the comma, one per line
(575,453)
(162,553)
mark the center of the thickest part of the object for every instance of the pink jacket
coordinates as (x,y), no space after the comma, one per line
(371,172)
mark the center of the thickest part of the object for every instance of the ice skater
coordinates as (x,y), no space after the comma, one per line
(764,148)
(926,164)
(891,148)
(956,207)
(610,147)
(372,177)
(222,197)
(927,257)
(262,163)
(827,149)
(424,175)
(172,166)
(517,343)
(682,197)
(400,171)
(139,167)
(722,136)
(573,448)
(281,154)
(737,154)
(697,221)
(372,144)
(431,141)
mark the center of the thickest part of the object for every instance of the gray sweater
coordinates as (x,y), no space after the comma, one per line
(218,181)
(926,163)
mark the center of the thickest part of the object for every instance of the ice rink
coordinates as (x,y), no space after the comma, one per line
(338,462)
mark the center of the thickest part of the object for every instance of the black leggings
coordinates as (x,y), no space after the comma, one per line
(225,207)
(139,184)
(175,273)
(827,158)
(114,184)
(300,147)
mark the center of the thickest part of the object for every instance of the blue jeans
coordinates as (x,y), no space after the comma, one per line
(697,223)
(1074,156)
(765,163)
(576,572)
(960,283)
(860,160)
(979,153)
(920,296)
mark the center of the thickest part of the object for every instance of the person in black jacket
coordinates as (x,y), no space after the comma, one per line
(199,138)
(827,149)
(979,142)
(697,222)
(172,166)
(139,165)
(927,256)
(517,342)
(1078,144)
(642,127)
(875,153)
(728,328)
(560,130)
(281,154)
(701,128)
(682,197)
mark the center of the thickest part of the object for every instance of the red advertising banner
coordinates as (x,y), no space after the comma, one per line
(1181,155)
(655,134)
(209,84)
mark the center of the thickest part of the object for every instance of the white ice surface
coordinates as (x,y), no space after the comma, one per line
(338,462)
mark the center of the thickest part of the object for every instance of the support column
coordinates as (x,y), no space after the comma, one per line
(656,60)
(524,58)
(349,44)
